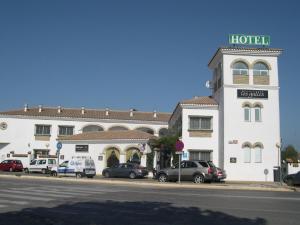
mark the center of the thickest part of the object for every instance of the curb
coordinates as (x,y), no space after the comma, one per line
(159,185)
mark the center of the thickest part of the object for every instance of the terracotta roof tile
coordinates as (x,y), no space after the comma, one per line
(109,135)
(205,100)
(89,114)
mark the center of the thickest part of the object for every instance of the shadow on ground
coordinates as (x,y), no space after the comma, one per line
(122,213)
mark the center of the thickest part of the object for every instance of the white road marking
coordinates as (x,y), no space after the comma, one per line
(14,202)
(33,193)
(26,197)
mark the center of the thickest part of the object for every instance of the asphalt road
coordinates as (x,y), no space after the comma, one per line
(45,202)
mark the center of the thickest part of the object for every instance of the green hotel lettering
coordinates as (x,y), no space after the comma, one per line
(249,39)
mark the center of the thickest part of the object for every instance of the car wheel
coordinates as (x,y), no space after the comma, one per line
(162,178)
(26,170)
(198,178)
(43,171)
(11,170)
(290,182)
(106,174)
(78,175)
(132,175)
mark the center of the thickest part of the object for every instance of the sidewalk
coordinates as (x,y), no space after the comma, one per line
(229,185)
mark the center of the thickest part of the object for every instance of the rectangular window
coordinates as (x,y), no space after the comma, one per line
(247,114)
(65,130)
(42,130)
(200,123)
(257,155)
(247,155)
(201,155)
(257,114)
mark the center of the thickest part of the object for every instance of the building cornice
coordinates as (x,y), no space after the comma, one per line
(272,52)
(84,119)
(268,87)
(111,141)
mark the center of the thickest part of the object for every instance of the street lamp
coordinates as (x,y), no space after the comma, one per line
(278,145)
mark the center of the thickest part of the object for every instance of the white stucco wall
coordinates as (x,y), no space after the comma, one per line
(20,138)
(201,143)
(235,128)
(97,148)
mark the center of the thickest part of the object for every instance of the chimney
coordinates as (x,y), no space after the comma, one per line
(82,110)
(195,97)
(59,109)
(25,107)
(131,113)
(154,114)
(40,108)
(106,111)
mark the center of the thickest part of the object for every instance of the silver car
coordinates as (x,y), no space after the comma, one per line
(197,170)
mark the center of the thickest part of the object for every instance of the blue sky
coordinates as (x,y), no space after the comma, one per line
(135,54)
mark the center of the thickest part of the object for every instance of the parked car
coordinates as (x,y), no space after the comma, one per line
(292,179)
(79,167)
(220,174)
(11,165)
(43,165)
(130,170)
(197,170)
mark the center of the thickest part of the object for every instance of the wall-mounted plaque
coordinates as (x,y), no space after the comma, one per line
(81,148)
(232,160)
(243,93)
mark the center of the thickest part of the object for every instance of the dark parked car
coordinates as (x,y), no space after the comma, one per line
(130,170)
(11,165)
(292,179)
(197,170)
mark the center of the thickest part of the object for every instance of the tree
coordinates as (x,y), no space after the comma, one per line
(289,154)
(165,144)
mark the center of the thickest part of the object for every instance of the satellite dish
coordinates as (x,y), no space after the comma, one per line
(208,84)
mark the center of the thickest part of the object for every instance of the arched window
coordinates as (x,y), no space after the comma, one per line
(257,112)
(260,69)
(247,152)
(92,128)
(258,152)
(117,128)
(240,68)
(247,112)
(145,129)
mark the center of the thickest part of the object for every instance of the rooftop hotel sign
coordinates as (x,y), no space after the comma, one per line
(243,39)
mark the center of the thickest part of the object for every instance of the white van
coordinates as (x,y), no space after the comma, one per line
(78,167)
(41,165)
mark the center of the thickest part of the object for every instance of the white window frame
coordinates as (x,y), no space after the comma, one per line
(42,134)
(259,114)
(63,126)
(257,154)
(249,110)
(260,72)
(240,72)
(200,117)
(247,154)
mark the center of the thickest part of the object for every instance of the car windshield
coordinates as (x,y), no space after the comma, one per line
(51,161)
(64,164)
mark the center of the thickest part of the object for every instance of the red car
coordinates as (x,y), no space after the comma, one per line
(11,165)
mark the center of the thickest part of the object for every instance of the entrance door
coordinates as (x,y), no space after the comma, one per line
(112,159)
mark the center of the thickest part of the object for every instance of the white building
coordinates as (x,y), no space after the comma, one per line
(36,131)
(237,127)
